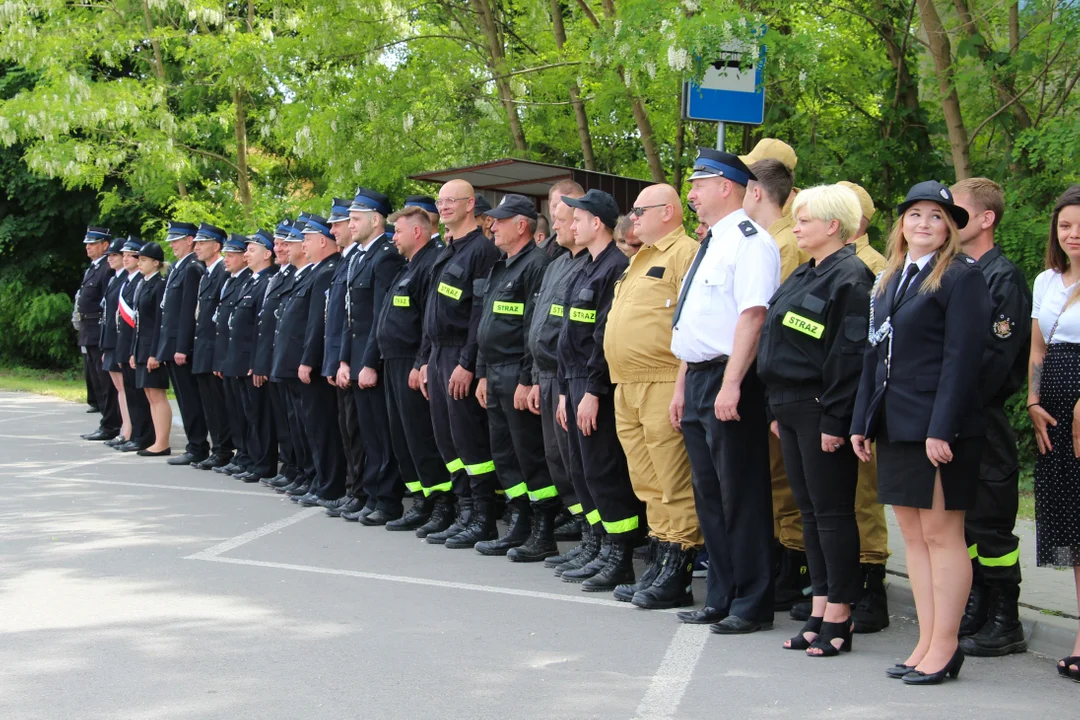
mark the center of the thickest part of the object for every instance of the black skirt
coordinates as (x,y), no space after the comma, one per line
(109,361)
(906,475)
(153,379)
(1057,473)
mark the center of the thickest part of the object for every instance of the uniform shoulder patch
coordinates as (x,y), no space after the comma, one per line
(747,228)
(1002,328)
(969,260)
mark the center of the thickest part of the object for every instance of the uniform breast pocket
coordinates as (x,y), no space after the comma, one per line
(716,282)
(654,292)
(508,299)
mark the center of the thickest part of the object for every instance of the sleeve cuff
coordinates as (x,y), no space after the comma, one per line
(835,426)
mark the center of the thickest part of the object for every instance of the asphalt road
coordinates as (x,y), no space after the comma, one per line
(131,589)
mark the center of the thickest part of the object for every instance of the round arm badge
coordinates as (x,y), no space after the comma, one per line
(1003,328)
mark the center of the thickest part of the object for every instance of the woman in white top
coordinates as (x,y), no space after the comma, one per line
(1054,400)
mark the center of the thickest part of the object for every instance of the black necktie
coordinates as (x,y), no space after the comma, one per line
(909,275)
(689,277)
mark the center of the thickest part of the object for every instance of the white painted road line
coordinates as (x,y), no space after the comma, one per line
(233,543)
(673,677)
(153,486)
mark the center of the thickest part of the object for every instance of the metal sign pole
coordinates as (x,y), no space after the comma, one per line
(720,135)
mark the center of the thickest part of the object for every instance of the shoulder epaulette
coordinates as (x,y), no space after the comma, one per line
(747,228)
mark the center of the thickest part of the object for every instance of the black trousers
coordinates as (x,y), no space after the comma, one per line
(994,548)
(732,493)
(91,396)
(517,441)
(282,436)
(557,446)
(381,479)
(236,415)
(142,424)
(823,484)
(305,459)
(318,403)
(411,434)
(349,426)
(189,399)
(215,413)
(603,464)
(461,431)
(105,395)
(259,439)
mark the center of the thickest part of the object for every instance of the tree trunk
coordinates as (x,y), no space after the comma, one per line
(241,151)
(580,118)
(1003,86)
(159,70)
(941,51)
(499,69)
(906,87)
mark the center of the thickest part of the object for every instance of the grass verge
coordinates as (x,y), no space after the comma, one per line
(64,384)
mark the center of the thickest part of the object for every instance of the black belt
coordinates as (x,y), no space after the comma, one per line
(780,396)
(94,316)
(708,364)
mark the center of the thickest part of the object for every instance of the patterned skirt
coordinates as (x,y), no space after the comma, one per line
(1057,473)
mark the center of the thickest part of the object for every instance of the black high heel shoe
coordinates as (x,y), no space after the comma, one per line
(899,670)
(833,631)
(951,669)
(799,642)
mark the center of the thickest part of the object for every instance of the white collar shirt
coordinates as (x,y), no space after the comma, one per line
(737,272)
(921,263)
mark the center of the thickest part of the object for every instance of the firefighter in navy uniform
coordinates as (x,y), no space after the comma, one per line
(88,316)
(399,333)
(142,426)
(369,280)
(232,384)
(505,367)
(109,357)
(448,379)
(587,406)
(991,623)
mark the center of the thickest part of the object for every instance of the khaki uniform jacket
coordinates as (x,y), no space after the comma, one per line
(791,255)
(873,259)
(637,343)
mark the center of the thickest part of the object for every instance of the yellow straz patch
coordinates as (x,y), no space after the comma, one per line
(401,301)
(508,308)
(804,325)
(450,291)
(556,310)
(584,316)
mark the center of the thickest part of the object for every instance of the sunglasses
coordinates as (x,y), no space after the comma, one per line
(639,211)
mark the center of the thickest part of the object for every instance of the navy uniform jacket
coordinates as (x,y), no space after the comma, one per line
(452,315)
(178,309)
(335,313)
(510,299)
(205,327)
(401,323)
(244,324)
(109,303)
(301,330)
(370,283)
(147,328)
(1005,360)
(938,341)
(547,321)
(88,300)
(588,301)
(231,292)
(278,287)
(125,334)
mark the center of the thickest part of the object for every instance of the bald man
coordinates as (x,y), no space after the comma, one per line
(448,379)
(637,345)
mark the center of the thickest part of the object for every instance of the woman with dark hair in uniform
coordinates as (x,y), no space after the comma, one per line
(919,399)
(150,375)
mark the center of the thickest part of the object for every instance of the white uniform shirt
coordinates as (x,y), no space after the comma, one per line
(1049,296)
(738,272)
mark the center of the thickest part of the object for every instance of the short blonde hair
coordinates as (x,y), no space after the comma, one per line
(831,202)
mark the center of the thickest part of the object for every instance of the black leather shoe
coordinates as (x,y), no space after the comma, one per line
(541,542)
(481,527)
(93,409)
(248,477)
(334,508)
(269,480)
(653,559)
(1002,634)
(442,517)
(116,441)
(377,517)
(309,500)
(414,517)
(556,560)
(618,570)
(355,515)
(672,586)
(516,534)
(280,483)
(291,486)
(228,469)
(299,490)
(593,566)
(951,669)
(567,527)
(99,434)
(704,616)
(440,538)
(590,548)
(159,453)
(735,625)
(214,461)
(185,459)
(131,446)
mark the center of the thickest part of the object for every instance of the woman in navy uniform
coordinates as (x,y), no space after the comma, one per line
(919,398)
(151,375)
(809,358)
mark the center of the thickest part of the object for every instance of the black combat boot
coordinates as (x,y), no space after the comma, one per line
(461,521)
(541,542)
(587,551)
(792,579)
(517,530)
(653,558)
(567,526)
(481,527)
(1002,634)
(672,586)
(618,570)
(442,516)
(560,558)
(586,569)
(871,612)
(416,516)
(977,611)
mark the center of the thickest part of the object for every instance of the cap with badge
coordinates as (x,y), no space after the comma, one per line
(368,200)
(235,244)
(339,211)
(599,203)
(482,205)
(96,235)
(512,206)
(133,244)
(425,202)
(180,230)
(933,191)
(316,225)
(116,247)
(281,232)
(261,237)
(210,233)
(712,163)
(772,149)
(866,203)
(296,230)
(153,251)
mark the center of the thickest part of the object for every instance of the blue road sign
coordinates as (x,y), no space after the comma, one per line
(729,92)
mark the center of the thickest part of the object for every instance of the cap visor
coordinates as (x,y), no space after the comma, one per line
(703,174)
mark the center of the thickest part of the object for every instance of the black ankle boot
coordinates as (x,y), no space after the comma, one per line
(618,570)
(653,558)
(977,611)
(414,517)
(481,527)
(442,516)
(567,526)
(672,586)
(587,564)
(541,542)
(517,532)
(556,560)
(1002,634)
(460,522)
(792,579)
(871,612)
